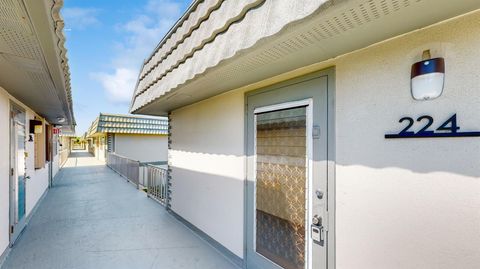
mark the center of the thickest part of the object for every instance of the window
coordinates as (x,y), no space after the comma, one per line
(48,143)
(55,142)
(40,147)
(43,145)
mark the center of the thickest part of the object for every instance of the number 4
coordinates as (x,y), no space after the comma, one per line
(450,125)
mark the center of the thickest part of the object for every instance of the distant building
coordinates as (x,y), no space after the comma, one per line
(35,108)
(138,138)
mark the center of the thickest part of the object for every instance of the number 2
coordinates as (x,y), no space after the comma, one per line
(410,124)
(429,123)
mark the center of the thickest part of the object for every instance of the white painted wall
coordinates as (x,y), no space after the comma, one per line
(400,203)
(143,148)
(100,147)
(38,182)
(208,167)
(56,165)
(4,168)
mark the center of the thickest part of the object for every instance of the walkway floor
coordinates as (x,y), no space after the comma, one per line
(92,219)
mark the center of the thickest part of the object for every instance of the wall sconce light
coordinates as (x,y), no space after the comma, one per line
(36,127)
(61,119)
(427,77)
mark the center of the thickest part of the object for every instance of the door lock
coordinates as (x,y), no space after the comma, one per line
(317,231)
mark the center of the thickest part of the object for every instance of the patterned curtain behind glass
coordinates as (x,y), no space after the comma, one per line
(281,186)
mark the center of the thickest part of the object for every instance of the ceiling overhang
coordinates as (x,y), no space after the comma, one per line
(333,29)
(33,64)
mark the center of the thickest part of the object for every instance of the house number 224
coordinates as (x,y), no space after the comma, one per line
(449,128)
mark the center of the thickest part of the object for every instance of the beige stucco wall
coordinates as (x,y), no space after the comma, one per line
(406,203)
(208,167)
(143,148)
(38,182)
(56,164)
(100,147)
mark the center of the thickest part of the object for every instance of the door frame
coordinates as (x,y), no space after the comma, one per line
(329,73)
(19,227)
(49,149)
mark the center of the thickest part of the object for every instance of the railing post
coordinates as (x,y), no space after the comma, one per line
(137,174)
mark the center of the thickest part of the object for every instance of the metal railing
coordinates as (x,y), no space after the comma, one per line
(151,177)
(125,167)
(156,183)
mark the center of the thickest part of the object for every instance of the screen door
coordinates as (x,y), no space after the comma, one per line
(287,168)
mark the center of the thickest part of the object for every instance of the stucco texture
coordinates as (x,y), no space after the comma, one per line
(208,167)
(4,167)
(401,203)
(143,148)
(38,182)
(408,203)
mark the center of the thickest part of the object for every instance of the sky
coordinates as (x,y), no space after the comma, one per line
(107,41)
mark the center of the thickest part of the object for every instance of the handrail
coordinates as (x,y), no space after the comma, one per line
(149,176)
(157,185)
(125,167)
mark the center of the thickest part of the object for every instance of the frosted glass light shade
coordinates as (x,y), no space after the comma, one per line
(428,79)
(428,86)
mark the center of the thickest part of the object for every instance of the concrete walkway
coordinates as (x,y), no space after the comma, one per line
(92,218)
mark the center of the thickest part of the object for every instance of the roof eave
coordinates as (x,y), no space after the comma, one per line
(208,83)
(48,24)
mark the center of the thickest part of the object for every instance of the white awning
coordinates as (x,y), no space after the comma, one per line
(223,45)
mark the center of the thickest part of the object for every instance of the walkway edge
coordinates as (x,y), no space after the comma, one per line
(230,256)
(4,256)
(5,253)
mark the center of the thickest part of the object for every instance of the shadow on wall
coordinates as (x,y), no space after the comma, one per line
(450,155)
(213,203)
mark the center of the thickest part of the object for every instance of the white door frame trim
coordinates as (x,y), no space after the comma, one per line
(308,103)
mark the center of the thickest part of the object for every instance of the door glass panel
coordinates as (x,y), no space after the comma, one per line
(21,169)
(281,178)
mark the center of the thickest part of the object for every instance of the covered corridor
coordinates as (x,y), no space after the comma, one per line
(93,218)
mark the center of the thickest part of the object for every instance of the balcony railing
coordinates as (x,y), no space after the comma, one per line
(125,167)
(156,183)
(150,177)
